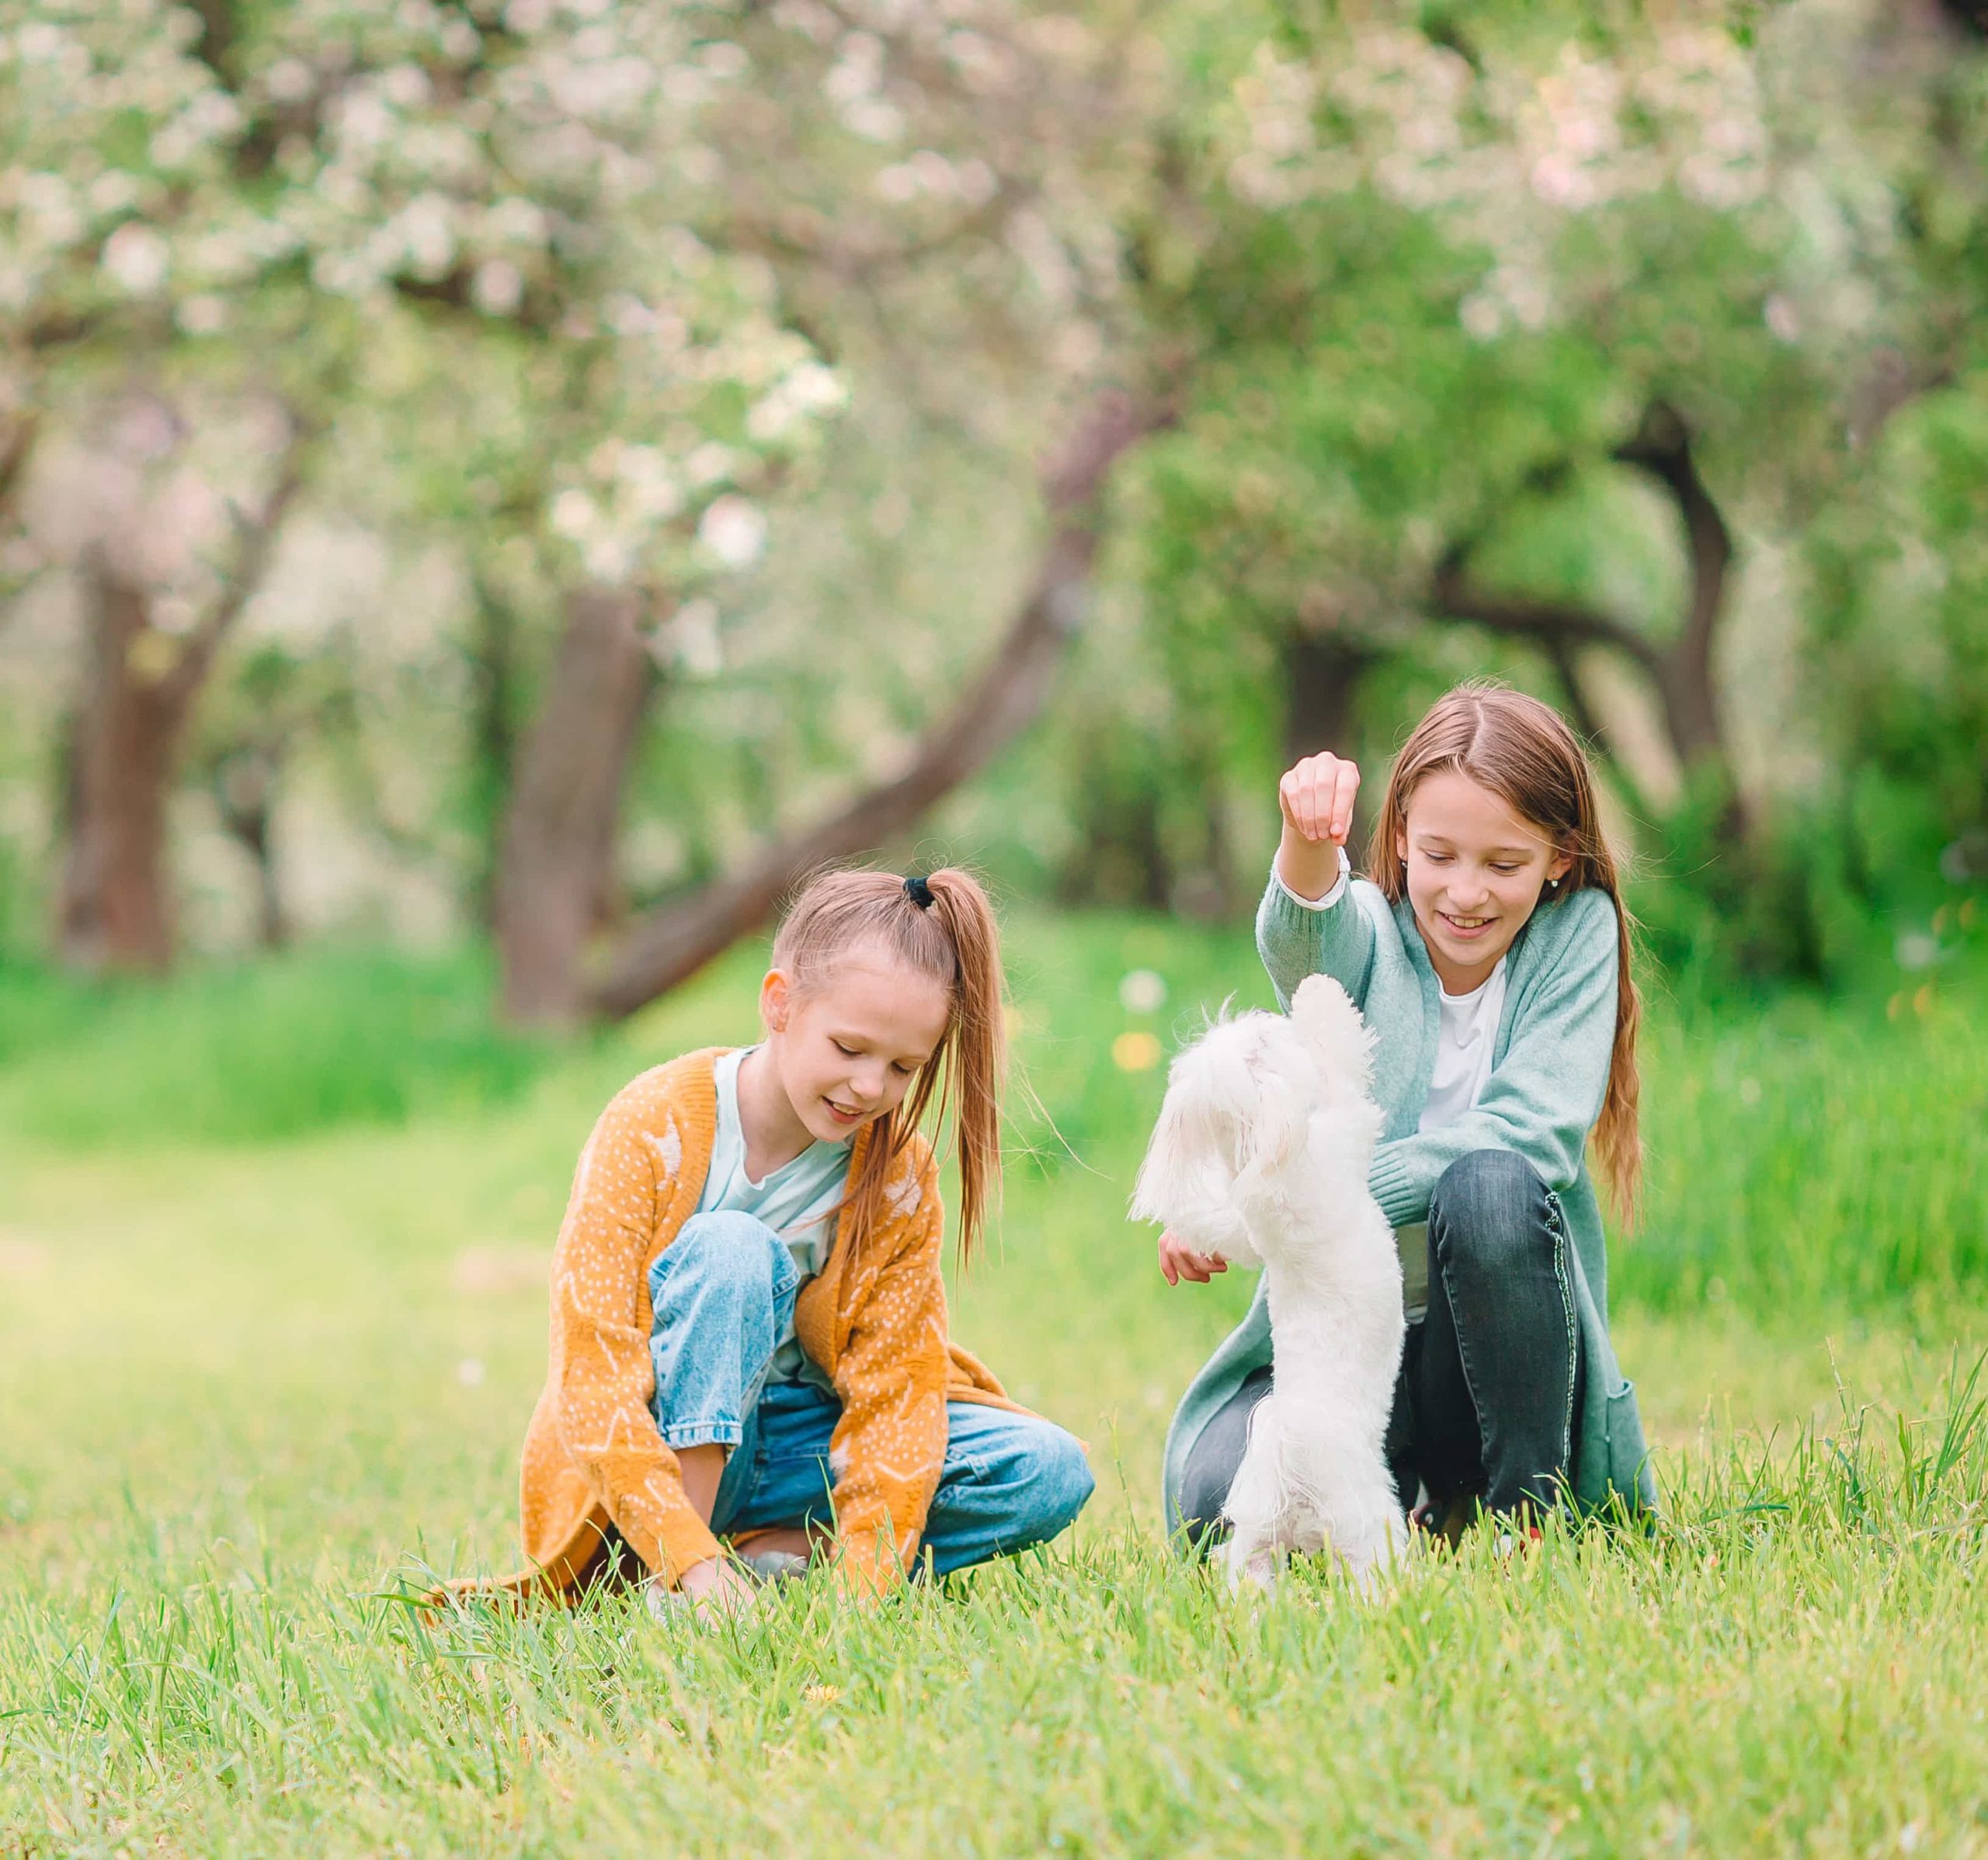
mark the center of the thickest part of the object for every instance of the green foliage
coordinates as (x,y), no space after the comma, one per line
(1801,1155)
(253,1053)
(1811,1160)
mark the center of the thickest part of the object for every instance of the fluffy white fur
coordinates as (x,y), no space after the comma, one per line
(1261,1155)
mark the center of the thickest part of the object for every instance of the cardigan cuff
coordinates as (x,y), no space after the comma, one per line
(685,1539)
(867,1566)
(1391,1184)
(1316,904)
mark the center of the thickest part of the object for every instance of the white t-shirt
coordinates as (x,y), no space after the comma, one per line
(1465,1036)
(798,1200)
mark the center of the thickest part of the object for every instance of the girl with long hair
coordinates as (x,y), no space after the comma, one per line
(748,1338)
(1489,948)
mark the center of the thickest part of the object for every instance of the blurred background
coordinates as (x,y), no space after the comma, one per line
(490,493)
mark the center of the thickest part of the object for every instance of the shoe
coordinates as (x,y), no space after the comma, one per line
(772,1568)
(666,1605)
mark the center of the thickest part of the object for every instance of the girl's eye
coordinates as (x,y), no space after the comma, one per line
(848,1052)
(1507,870)
(1436,858)
(899,1065)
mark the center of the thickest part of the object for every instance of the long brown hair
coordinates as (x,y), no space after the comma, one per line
(1523,751)
(954,939)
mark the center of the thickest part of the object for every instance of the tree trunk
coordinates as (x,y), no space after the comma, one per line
(493,737)
(1663,449)
(673,943)
(1322,674)
(140,685)
(556,878)
(1682,673)
(245,786)
(16,447)
(114,914)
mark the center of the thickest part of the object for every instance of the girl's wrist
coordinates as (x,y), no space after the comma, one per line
(1309,868)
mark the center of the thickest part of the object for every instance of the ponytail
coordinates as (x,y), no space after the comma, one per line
(942,926)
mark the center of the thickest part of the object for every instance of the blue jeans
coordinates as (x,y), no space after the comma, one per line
(723,1293)
(1491,1378)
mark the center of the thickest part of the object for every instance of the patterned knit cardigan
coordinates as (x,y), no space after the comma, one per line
(876,1323)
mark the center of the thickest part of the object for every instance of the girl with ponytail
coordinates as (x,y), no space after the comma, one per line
(750,1367)
(1488,948)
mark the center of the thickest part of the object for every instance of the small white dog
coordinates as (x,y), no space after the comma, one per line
(1261,1155)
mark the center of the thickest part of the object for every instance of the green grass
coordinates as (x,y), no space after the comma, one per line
(254,1054)
(247,1386)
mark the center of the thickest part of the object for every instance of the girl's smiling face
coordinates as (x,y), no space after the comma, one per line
(846,1051)
(1475,870)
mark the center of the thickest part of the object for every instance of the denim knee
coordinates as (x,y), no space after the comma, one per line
(722,1256)
(1490,1208)
(1060,1476)
(720,1291)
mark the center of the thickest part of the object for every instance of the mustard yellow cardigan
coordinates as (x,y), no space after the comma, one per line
(874,1321)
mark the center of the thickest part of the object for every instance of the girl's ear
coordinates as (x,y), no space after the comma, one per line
(1401,844)
(776,1001)
(1559,866)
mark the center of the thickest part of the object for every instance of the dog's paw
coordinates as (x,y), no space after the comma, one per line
(1253,1570)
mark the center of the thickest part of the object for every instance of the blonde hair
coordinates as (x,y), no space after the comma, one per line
(1523,751)
(954,939)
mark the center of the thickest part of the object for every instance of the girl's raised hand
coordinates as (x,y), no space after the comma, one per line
(1316,795)
(1178,1261)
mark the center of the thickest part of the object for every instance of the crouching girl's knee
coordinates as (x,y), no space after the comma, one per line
(719,1262)
(1060,1477)
(1489,1206)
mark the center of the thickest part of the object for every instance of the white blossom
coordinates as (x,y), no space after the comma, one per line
(734,530)
(137,258)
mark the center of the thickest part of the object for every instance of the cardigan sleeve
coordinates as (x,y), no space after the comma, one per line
(1296,939)
(889,1446)
(602,1373)
(1542,1099)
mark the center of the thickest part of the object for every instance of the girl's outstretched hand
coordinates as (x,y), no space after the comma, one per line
(1178,1261)
(1316,795)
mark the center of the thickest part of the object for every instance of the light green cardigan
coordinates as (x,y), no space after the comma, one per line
(1549,1074)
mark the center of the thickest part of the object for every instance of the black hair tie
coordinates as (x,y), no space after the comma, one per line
(918,893)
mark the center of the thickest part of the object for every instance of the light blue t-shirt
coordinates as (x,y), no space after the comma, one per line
(798,1200)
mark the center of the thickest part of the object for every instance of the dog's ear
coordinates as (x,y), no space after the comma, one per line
(1188,1178)
(1275,1128)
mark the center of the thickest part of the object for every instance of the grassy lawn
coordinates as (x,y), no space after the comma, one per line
(272,1318)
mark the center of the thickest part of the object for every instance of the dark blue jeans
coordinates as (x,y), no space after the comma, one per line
(1490,1378)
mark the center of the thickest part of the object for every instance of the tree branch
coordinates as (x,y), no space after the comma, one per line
(670,944)
(256,539)
(1662,448)
(16,450)
(1451,593)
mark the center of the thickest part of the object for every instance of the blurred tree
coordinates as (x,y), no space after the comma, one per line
(337,202)
(126,732)
(1450,276)
(911,184)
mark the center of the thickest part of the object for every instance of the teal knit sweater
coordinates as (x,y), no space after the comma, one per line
(1549,1075)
